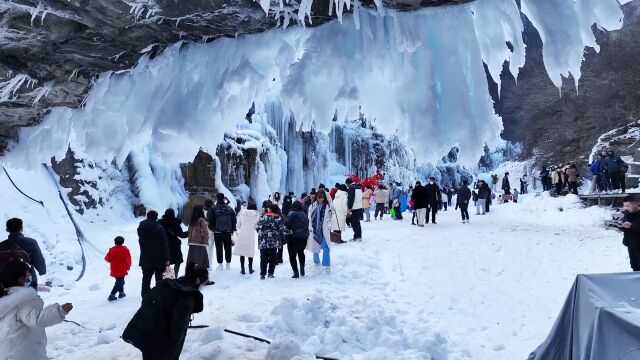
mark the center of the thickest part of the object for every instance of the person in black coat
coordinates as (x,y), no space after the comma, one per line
(159,327)
(222,221)
(154,250)
(29,245)
(173,229)
(298,225)
(434,197)
(485,193)
(420,202)
(631,228)
(287,201)
(544,178)
(464,196)
(506,186)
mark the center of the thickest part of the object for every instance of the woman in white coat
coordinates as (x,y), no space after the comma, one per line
(320,216)
(339,223)
(23,316)
(246,239)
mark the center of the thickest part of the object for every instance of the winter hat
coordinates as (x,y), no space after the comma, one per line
(220,196)
(296,206)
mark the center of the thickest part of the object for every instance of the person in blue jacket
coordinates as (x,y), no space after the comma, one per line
(596,176)
(395,199)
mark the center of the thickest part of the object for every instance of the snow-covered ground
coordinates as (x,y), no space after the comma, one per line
(490,289)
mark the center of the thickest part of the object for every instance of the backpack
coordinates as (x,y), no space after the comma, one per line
(9,251)
(624,168)
(224,220)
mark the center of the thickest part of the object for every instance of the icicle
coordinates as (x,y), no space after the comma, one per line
(265,4)
(356,14)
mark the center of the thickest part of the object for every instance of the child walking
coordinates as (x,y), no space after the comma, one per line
(120,260)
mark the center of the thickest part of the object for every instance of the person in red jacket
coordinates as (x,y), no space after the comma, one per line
(120,260)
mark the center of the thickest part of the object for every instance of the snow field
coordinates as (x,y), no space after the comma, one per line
(490,289)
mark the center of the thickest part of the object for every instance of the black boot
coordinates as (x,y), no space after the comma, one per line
(295,276)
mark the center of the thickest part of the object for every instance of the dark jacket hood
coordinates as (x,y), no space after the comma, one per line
(180,284)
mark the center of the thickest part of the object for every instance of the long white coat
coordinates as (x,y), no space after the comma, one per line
(340,206)
(246,240)
(312,245)
(23,318)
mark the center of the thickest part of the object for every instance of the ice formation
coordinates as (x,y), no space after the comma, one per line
(416,74)
(565,30)
(158,185)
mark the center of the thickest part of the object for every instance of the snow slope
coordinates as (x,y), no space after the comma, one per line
(487,290)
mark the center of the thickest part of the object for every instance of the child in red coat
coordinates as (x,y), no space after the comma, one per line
(120,260)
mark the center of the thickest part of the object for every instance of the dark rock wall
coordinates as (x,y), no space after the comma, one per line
(78,195)
(560,126)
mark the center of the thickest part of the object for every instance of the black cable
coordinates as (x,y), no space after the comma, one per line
(247,336)
(267,341)
(75,323)
(17,188)
(79,234)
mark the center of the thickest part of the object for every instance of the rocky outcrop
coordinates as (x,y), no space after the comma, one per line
(79,195)
(50,50)
(199,181)
(560,126)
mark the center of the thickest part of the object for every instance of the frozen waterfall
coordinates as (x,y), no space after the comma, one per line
(416,74)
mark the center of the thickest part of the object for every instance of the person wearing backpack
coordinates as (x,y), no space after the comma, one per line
(297,223)
(19,246)
(613,166)
(159,327)
(222,221)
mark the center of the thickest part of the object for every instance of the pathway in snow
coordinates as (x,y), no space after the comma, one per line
(486,290)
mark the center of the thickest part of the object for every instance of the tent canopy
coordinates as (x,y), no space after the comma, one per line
(600,320)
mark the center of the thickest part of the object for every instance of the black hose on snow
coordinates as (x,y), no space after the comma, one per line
(17,188)
(80,235)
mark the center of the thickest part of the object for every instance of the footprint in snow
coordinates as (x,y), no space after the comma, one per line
(249,318)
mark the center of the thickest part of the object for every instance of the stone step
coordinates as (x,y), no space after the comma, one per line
(632,181)
(634,169)
(636,156)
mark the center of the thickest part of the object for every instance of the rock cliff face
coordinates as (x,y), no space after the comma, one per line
(561,126)
(50,50)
